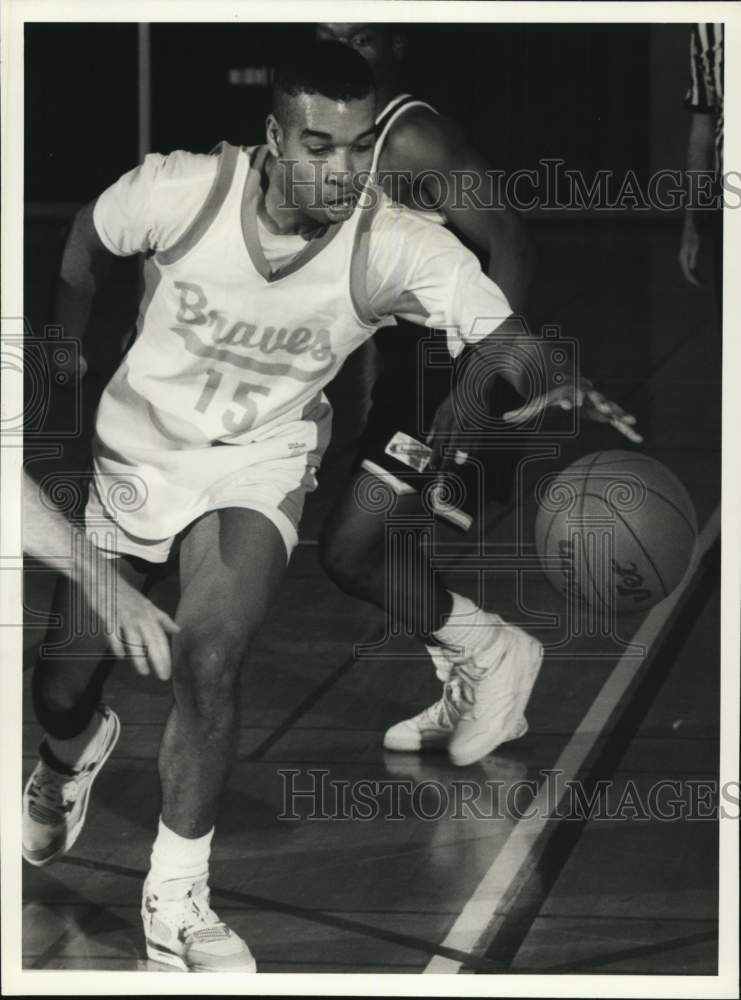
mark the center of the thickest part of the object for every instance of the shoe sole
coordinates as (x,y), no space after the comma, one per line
(75,832)
(470,754)
(167,957)
(155,954)
(431,743)
(440,744)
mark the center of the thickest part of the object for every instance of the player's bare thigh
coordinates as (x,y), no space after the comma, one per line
(231,564)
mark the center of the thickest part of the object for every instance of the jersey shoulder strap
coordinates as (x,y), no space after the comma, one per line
(389,116)
(371,203)
(208,211)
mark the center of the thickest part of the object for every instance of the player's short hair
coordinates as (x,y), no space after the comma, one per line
(328,68)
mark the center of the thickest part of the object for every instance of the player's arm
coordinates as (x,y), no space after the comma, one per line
(700,157)
(478,312)
(421,272)
(456,182)
(528,356)
(703,103)
(132,622)
(145,209)
(85,265)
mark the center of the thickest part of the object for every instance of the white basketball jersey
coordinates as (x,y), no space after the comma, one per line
(229,352)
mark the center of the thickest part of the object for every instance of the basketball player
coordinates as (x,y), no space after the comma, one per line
(414,142)
(265,269)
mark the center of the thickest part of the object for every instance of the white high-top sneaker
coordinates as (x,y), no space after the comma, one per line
(55,800)
(493,686)
(182,930)
(431,729)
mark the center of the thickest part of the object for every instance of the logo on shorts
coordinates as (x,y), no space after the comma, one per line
(409,451)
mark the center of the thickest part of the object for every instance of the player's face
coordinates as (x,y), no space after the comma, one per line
(329,145)
(373,43)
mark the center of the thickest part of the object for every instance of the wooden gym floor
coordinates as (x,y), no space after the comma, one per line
(483,893)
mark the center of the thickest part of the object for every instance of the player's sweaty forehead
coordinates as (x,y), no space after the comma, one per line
(340,123)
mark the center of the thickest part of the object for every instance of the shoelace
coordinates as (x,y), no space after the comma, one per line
(206,925)
(196,920)
(54,792)
(444,713)
(469,675)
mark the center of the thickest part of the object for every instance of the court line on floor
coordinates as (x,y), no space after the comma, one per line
(630,713)
(316,916)
(517,858)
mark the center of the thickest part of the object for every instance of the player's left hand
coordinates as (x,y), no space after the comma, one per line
(583,395)
(140,631)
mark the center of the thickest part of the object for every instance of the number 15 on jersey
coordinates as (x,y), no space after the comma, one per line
(241,413)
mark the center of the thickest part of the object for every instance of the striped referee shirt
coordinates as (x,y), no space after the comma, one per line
(705,92)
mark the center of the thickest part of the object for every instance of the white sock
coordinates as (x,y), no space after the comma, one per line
(176,857)
(467,627)
(78,751)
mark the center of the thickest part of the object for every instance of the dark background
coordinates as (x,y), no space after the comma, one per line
(596,96)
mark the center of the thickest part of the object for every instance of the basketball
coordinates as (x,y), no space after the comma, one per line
(615,530)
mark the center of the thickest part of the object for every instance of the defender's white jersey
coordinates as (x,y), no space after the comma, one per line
(231,356)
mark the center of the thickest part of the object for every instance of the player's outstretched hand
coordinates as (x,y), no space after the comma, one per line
(581,394)
(137,629)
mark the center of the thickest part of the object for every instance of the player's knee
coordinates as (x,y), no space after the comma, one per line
(205,676)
